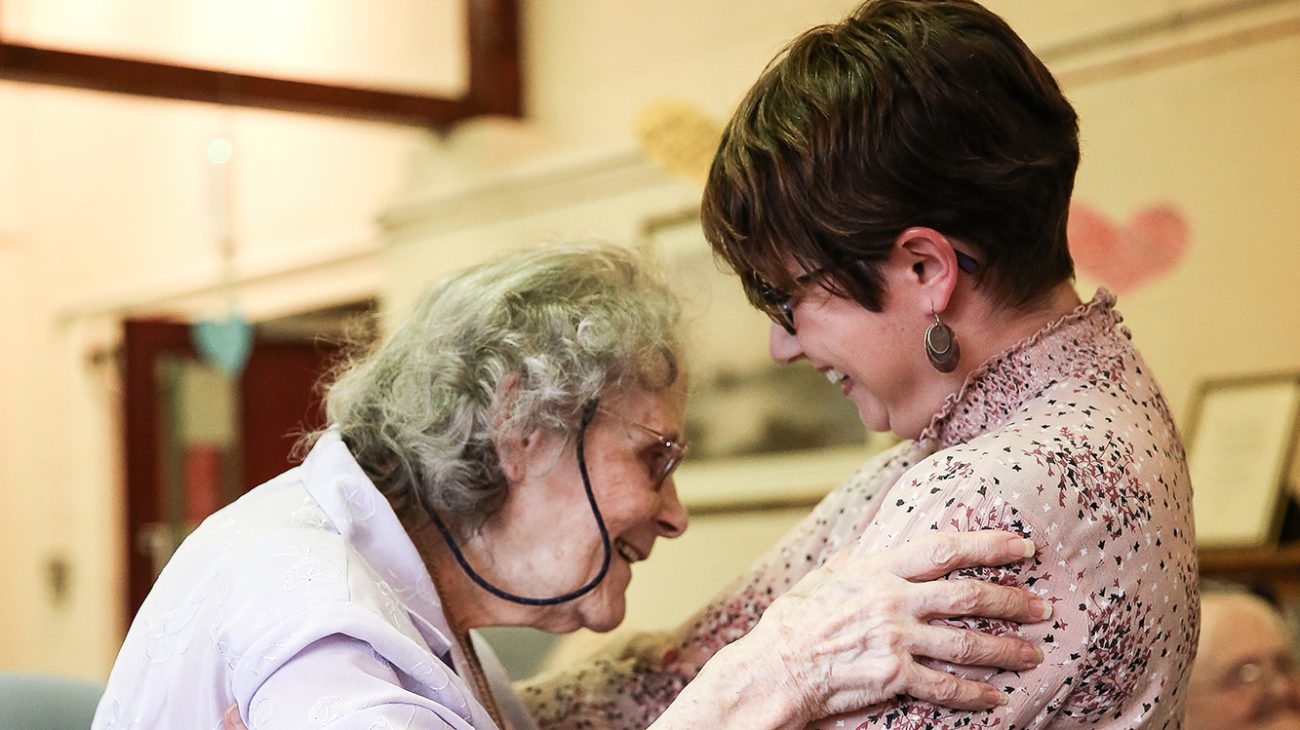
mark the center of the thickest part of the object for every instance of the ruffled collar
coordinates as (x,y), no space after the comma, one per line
(1004,383)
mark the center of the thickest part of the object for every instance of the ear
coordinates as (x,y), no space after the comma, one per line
(518,452)
(512,451)
(932,270)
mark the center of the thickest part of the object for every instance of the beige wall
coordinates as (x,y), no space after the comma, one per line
(104,208)
(1217,137)
(16,554)
(113,215)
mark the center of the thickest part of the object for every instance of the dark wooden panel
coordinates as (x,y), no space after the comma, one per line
(495,85)
(277,400)
(494,79)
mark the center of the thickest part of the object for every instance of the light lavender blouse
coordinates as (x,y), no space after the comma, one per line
(306,603)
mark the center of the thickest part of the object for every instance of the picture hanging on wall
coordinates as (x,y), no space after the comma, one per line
(1241,444)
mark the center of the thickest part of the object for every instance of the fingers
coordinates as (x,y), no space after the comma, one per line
(944,689)
(937,554)
(841,555)
(948,598)
(232,720)
(971,648)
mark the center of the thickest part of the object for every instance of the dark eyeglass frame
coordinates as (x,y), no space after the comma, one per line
(674,450)
(776,302)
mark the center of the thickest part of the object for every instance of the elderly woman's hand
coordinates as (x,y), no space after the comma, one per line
(849,635)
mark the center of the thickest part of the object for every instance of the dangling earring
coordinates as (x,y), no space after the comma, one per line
(941,346)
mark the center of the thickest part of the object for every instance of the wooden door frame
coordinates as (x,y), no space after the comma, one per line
(144,341)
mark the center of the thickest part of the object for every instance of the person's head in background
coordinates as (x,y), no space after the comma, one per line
(1245,670)
(914,160)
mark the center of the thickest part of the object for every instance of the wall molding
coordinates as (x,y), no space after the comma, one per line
(1178,54)
(338,267)
(1212,15)
(553,184)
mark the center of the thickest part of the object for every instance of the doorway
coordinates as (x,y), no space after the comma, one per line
(197,438)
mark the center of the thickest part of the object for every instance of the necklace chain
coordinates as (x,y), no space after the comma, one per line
(477,677)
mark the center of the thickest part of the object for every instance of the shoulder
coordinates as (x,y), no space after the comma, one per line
(273,541)
(273,565)
(1031,472)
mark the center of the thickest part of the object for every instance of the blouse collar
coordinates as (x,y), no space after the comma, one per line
(1004,383)
(365,519)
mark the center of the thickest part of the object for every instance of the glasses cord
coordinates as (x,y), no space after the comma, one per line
(587,414)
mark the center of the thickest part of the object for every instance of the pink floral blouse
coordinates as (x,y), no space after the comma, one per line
(1064,439)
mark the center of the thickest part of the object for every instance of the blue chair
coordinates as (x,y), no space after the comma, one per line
(38,702)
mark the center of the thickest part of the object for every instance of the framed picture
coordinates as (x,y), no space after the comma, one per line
(763,435)
(1241,445)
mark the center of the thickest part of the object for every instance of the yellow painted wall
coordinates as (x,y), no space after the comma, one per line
(1217,137)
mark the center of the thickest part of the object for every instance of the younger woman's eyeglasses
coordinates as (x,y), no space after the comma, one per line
(775,303)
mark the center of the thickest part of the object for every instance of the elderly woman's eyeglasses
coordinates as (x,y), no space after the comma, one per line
(668,452)
(1258,674)
(775,303)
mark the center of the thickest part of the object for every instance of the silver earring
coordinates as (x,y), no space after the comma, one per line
(941,346)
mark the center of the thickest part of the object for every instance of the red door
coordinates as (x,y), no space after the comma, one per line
(197,439)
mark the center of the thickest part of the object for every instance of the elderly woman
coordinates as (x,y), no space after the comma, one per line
(1245,676)
(503,458)
(893,193)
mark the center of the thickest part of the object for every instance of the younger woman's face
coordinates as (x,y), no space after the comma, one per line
(875,358)
(544,540)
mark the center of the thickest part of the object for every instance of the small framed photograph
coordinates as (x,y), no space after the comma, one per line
(1241,452)
(763,435)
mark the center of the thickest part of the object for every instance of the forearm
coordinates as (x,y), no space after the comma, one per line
(631,686)
(741,687)
(638,683)
(624,688)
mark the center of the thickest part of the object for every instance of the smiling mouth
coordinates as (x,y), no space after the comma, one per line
(629,553)
(835,376)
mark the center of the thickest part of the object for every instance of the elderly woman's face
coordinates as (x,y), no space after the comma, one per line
(545,540)
(1244,675)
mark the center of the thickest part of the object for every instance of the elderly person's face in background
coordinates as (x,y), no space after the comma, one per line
(1244,675)
(544,538)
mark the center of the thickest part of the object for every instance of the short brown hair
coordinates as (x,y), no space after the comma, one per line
(907,113)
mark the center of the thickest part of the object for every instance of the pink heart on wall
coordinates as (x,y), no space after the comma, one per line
(1149,246)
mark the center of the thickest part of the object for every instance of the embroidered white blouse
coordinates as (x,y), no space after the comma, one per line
(306,603)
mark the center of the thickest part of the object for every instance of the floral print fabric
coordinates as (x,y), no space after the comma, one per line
(1064,439)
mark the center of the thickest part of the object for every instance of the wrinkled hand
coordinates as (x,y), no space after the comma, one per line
(232,720)
(848,635)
